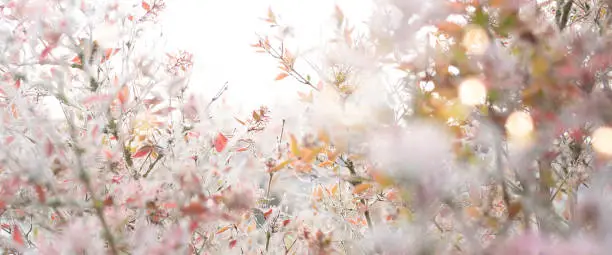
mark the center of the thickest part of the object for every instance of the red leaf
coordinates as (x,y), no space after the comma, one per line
(108,201)
(96,98)
(286,222)
(46,52)
(18,83)
(242,149)
(267,214)
(151,102)
(116,179)
(193,226)
(146,6)
(281,76)
(194,208)
(77,60)
(164,111)
(108,154)
(9,139)
(220,142)
(145,150)
(232,243)
(40,193)
(17,236)
(49,148)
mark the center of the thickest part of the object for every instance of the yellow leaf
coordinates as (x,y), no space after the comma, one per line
(256,116)
(294,146)
(456,111)
(271,16)
(306,98)
(355,157)
(361,188)
(251,227)
(334,189)
(280,166)
(539,66)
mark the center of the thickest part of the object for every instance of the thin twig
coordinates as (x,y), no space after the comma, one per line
(275,54)
(218,95)
(152,165)
(84,177)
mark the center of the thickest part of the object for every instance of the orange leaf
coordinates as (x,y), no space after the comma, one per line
(223,229)
(331,156)
(405,66)
(392,195)
(317,194)
(334,190)
(514,209)
(146,6)
(123,95)
(281,76)
(382,179)
(220,142)
(361,188)
(311,154)
(472,211)
(326,163)
(109,53)
(14,111)
(323,136)
(449,28)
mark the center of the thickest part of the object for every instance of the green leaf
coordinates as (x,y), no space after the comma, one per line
(493,95)
(506,25)
(481,18)
(260,219)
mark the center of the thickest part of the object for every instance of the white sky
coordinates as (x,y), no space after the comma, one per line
(219,34)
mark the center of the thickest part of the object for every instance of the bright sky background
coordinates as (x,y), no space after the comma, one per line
(219,34)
